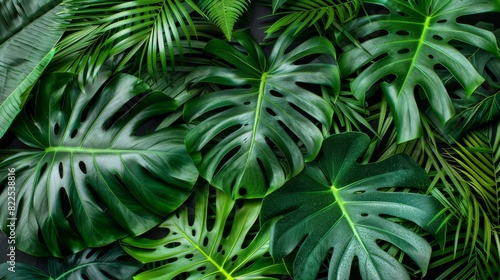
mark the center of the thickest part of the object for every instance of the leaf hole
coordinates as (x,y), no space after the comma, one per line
(403,14)
(242,191)
(219,249)
(391,78)
(43,169)
(430,56)
(201,268)
(189,256)
(73,133)
(234,258)
(61,170)
(193,232)
(64,200)
(247,103)
(276,93)
(248,264)
(402,32)
(82,167)
(271,112)
(172,245)
(403,51)
(205,241)
(359,192)
(437,37)
(56,129)
(364,214)
(226,158)
(442,21)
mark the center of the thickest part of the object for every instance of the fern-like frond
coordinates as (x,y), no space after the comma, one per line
(306,13)
(153,30)
(224,13)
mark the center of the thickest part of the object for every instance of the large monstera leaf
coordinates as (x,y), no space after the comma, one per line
(91,177)
(220,240)
(103,264)
(259,129)
(417,42)
(342,205)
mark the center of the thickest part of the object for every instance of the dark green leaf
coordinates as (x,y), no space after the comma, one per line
(220,240)
(24,53)
(418,41)
(92,177)
(256,133)
(342,205)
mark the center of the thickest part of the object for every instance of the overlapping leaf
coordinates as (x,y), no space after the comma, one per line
(92,177)
(258,131)
(414,39)
(340,205)
(220,240)
(105,263)
(224,13)
(24,54)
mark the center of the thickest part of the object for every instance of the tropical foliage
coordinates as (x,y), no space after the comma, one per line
(159,139)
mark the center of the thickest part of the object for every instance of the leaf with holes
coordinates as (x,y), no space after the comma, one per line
(92,176)
(103,263)
(338,204)
(220,240)
(256,133)
(417,42)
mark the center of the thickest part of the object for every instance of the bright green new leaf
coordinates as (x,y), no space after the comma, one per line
(257,132)
(28,32)
(219,239)
(413,41)
(91,176)
(105,263)
(224,13)
(342,205)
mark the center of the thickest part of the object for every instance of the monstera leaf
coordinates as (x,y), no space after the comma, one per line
(417,43)
(339,204)
(24,54)
(92,177)
(256,132)
(105,263)
(220,240)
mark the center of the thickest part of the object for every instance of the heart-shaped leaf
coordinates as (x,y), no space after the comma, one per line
(258,131)
(220,240)
(342,205)
(414,42)
(92,177)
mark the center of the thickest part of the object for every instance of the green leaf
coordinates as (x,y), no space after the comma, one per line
(104,263)
(91,176)
(483,106)
(300,14)
(418,42)
(224,13)
(277,4)
(220,240)
(24,54)
(150,30)
(256,133)
(342,205)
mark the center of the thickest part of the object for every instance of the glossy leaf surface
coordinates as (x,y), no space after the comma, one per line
(413,41)
(24,54)
(338,204)
(258,131)
(92,177)
(103,264)
(220,240)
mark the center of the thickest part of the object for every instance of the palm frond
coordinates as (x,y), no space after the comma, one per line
(224,13)
(306,13)
(153,30)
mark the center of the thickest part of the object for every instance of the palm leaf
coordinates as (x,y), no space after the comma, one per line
(24,54)
(306,13)
(224,13)
(220,240)
(153,30)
